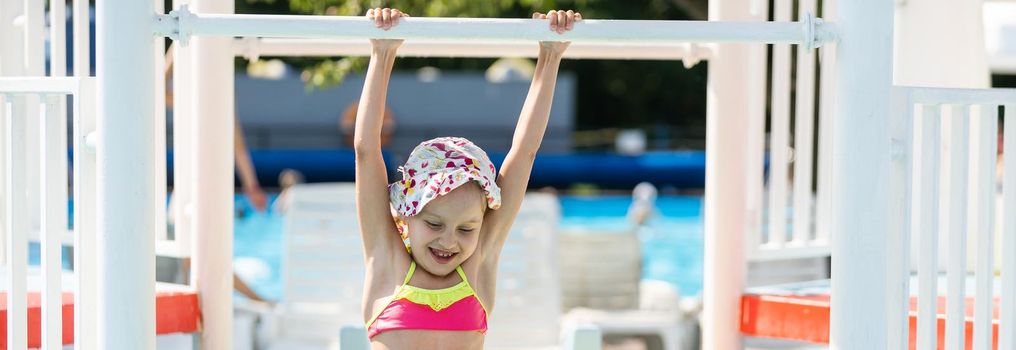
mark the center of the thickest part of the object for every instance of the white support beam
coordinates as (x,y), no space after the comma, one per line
(126,171)
(861,171)
(253,48)
(733,168)
(182,23)
(212,184)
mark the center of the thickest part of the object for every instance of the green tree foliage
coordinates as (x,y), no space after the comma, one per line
(659,96)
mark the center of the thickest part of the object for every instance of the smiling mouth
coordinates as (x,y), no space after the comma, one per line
(441,256)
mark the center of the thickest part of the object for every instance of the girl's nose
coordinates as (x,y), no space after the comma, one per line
(446,240)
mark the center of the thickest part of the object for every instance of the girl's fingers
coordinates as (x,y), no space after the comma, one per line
(370,14)
(387,17)
(571,20)
(552,15)
(537,15)
(378,20)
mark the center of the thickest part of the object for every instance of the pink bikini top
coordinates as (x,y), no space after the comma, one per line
(456,308)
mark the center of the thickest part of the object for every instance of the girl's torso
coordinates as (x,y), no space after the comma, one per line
(387,301)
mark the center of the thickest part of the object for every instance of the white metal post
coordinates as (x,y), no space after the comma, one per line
(212,155)
(126,171)
(727,161)
(860,167)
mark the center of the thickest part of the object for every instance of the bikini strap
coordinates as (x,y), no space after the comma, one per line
(463,275)
(412,268)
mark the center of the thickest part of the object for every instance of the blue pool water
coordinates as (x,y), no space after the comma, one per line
(671,241)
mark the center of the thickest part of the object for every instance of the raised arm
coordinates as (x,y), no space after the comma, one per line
(518,164)
(378,230)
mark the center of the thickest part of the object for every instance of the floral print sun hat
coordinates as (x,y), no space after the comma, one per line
(439,166)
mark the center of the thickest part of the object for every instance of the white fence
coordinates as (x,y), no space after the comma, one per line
(944,163)
(40,101)
(785,208)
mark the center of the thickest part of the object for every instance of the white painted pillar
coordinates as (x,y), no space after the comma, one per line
(860,170)
(212,155)
(736,76)
(126,171)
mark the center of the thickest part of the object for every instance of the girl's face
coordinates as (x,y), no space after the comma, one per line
(445,233)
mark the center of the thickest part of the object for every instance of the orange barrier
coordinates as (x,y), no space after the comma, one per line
(806,318)
(175,312)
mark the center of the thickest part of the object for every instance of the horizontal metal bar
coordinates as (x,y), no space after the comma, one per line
(39,85)
(929,95)
(253,48)
(180,24)
(790,251)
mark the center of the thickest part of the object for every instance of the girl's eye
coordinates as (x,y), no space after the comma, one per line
(467,230)
(433,225)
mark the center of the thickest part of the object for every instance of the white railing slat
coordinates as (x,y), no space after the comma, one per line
(57,38)
(902,125)
(804,137)
(927,154)
(54,219)
(1007,312)
(779,139)
(3,175)
(827,103)
(756,151)
(160,131)
(34,37)
(18,224)
(984,180)
(81,20)
(85,201)
(955,212)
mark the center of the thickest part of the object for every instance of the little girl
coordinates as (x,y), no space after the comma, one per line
(431,272)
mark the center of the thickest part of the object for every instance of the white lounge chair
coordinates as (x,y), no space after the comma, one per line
(602,274)
(528,309)
(322,267)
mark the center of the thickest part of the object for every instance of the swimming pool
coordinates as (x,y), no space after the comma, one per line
(671,242)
